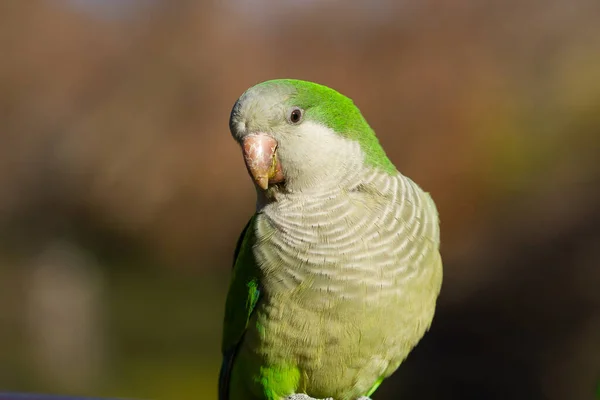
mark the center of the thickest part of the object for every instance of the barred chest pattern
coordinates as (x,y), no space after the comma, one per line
(376,234)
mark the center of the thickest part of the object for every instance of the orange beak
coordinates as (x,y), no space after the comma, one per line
(260,156)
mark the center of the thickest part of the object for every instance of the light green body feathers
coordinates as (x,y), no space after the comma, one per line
(337,275)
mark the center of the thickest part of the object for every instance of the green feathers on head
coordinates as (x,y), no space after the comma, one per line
(326,106)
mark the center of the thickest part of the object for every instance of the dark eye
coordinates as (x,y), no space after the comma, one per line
(295,115)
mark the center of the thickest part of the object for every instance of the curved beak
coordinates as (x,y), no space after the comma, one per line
(260,156)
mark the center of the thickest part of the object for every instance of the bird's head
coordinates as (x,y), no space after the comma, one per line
(300,136)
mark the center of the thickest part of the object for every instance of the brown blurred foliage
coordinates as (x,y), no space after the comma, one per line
(114,139)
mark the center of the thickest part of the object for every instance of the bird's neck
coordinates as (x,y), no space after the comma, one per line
(323,188)
(359,188)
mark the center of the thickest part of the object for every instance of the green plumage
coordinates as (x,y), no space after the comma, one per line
(335,279)
(338,112)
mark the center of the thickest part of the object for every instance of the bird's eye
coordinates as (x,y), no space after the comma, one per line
(295,115)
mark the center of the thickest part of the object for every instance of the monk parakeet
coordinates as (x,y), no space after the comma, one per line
(336,276)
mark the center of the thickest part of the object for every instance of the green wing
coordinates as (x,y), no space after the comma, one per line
(241,300)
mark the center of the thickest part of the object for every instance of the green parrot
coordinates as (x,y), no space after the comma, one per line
(336,276)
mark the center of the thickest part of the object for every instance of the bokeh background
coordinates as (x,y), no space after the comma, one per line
(122,192)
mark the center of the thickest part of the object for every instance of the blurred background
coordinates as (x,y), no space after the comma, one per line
(122,193)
